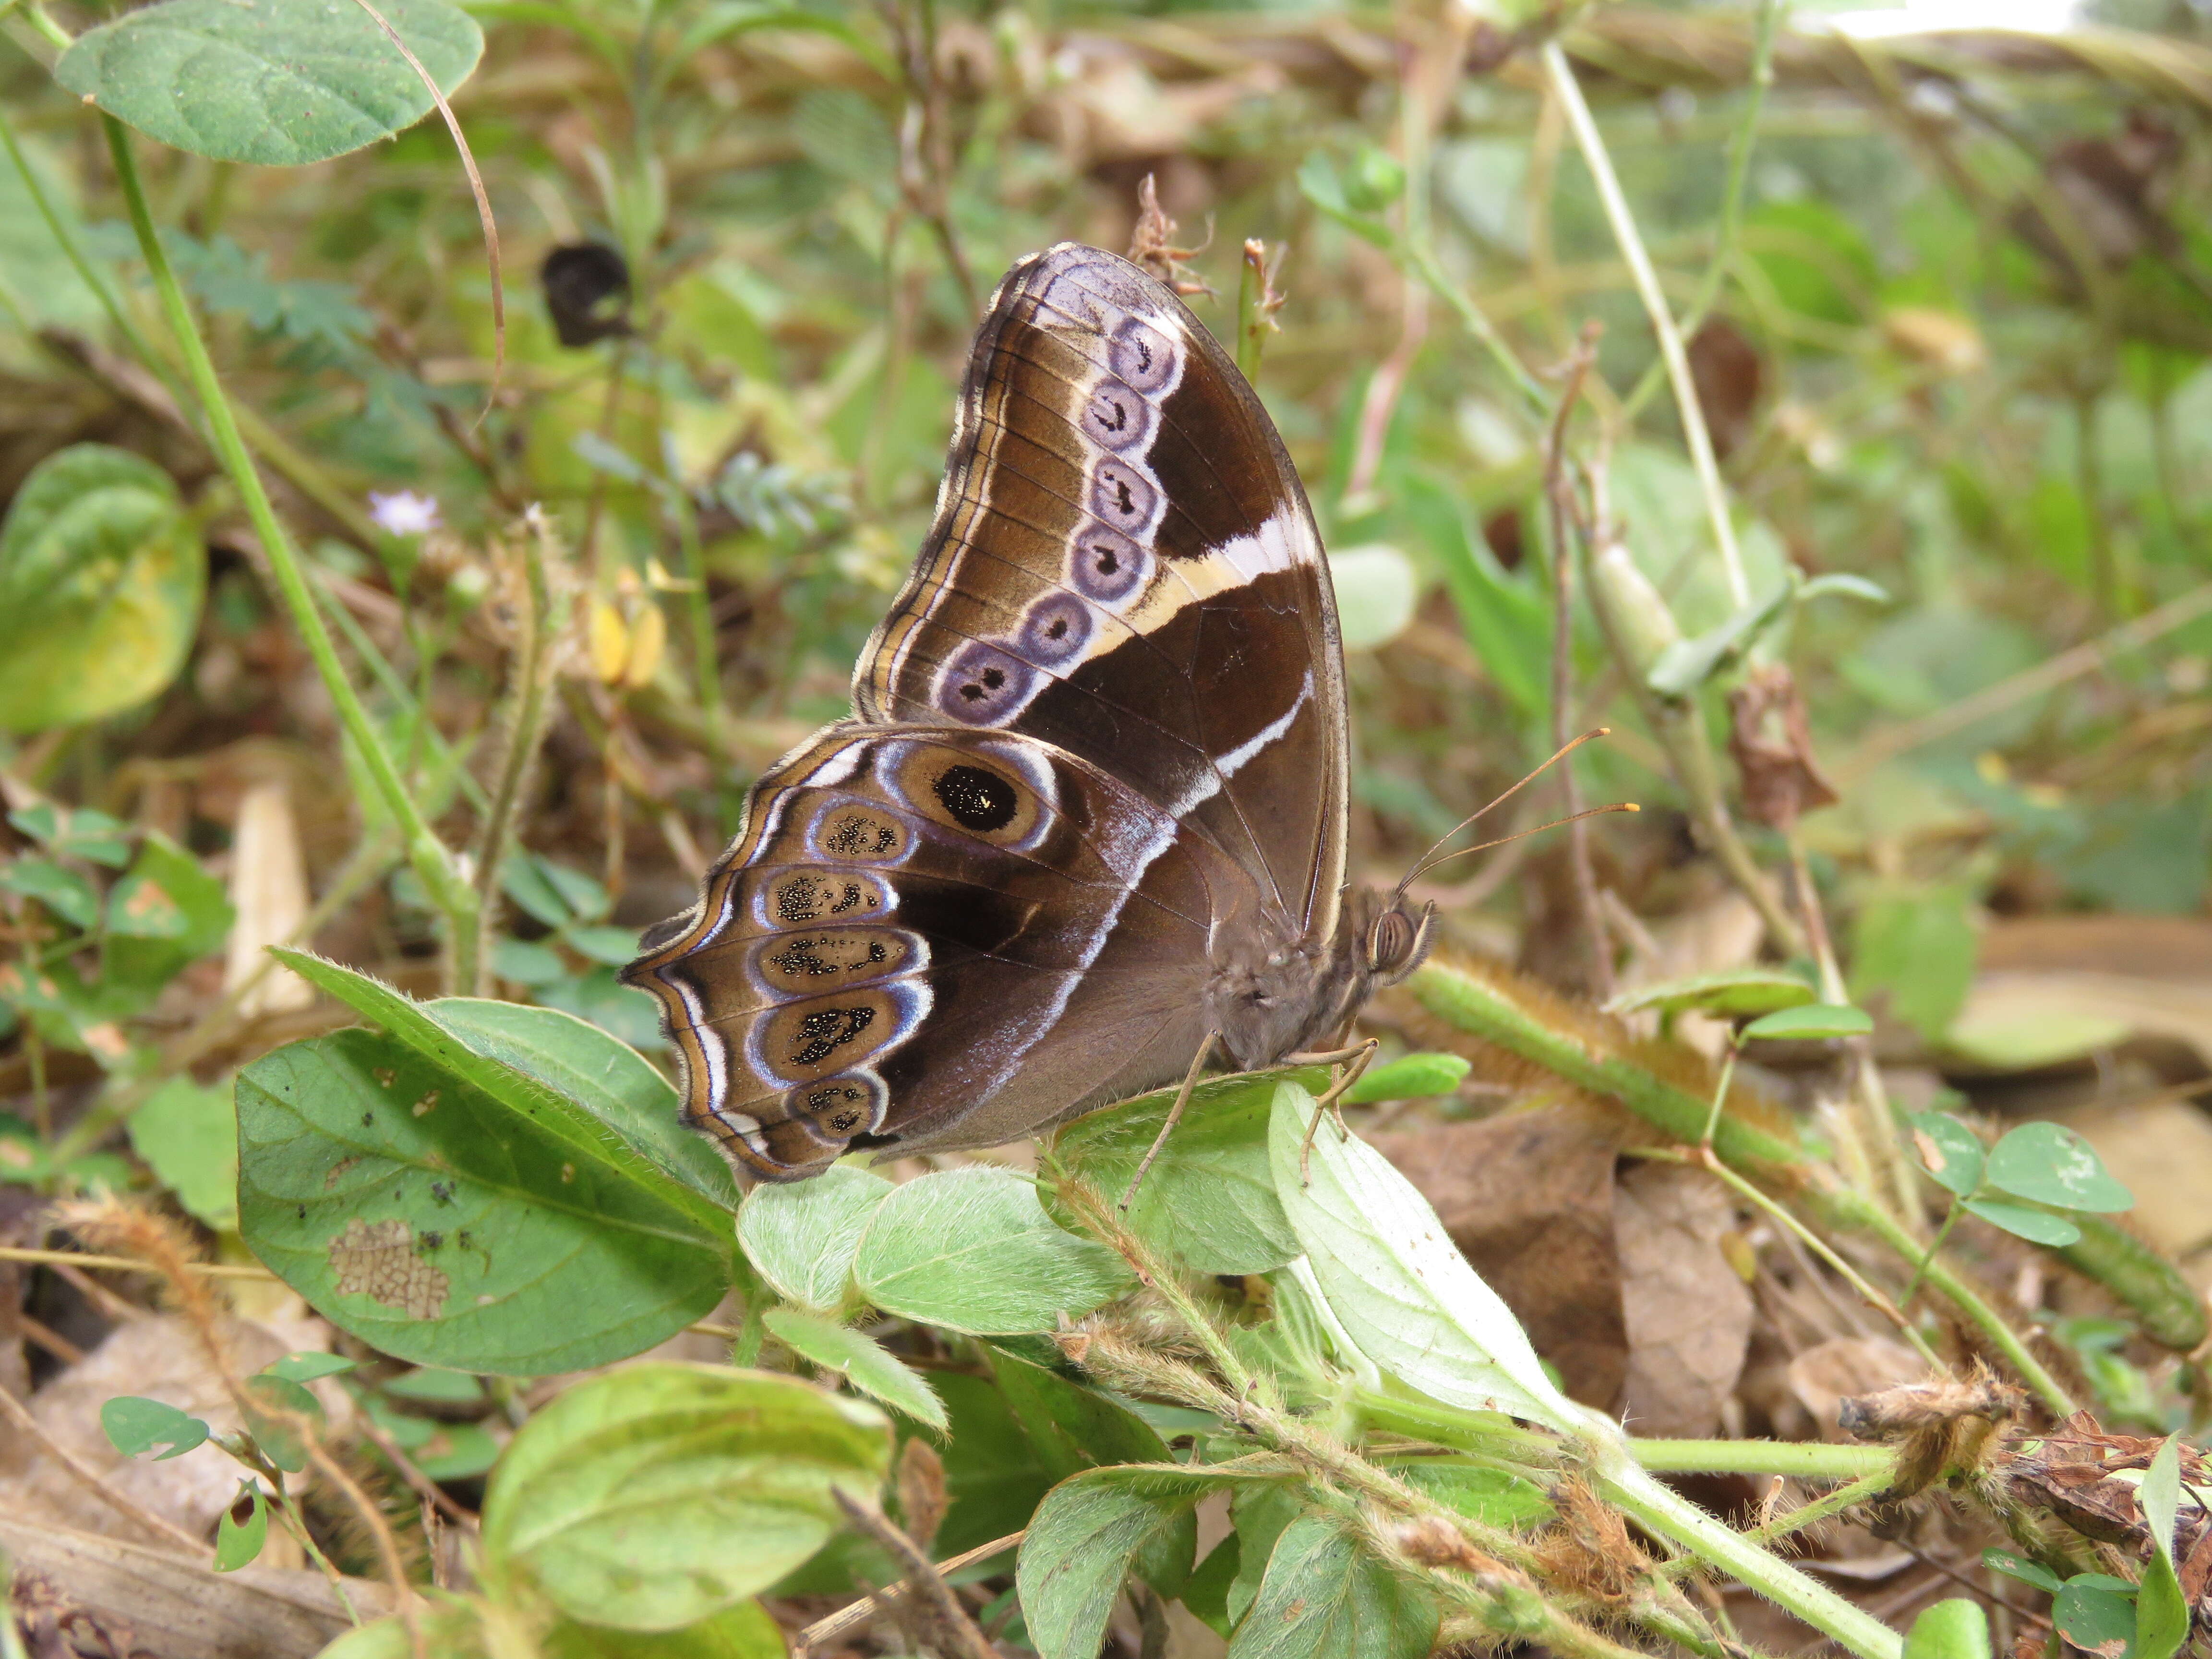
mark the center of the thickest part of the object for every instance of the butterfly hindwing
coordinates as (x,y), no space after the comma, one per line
(894,880)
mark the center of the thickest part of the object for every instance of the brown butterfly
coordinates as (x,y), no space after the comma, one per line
(1089,813)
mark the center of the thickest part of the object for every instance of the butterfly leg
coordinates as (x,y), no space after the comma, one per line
(1355,1059)
(1175,1117)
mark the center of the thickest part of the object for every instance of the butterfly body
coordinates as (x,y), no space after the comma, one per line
(1092,805)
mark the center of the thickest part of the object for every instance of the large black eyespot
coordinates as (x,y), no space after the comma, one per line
(978,800)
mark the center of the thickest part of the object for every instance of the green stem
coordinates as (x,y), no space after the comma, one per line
(1851,1209)
(1561,76)
(1664,1512)
(1943,1237)
(432,861)
(1740,143)
(526,726)
(1476,321)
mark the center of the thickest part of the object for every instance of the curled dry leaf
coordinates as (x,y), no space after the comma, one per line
(1773,748)
(1687,1308)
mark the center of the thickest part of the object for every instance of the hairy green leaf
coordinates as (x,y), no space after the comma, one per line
(2051,1163)
(859,1359)
(654,1497)
(1323,1598)
(804,1236)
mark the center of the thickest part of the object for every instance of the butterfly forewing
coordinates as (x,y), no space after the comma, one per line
(1124,564)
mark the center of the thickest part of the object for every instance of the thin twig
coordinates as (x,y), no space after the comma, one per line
(860,1611)
(128,1264)
(1558,486)
(1560,74)
(933,1605)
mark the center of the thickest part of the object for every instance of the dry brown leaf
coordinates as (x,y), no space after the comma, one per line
(1686,1307)
(1528,1197)
(1829,1373)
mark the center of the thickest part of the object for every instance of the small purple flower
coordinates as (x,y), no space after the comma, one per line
(403,513)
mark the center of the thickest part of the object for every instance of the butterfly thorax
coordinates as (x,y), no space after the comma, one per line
(1299,993)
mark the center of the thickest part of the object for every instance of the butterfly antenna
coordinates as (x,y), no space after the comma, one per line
(1482,847)
(1430,858)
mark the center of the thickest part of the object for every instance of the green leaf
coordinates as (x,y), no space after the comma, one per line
(1814,1019)
(972,1250)
(620,1088)
(654,1496)
(1089,1534)
(280,1415)
(1950,1151)
(1323,184)
(435,1385)
(307,1366)
(2053,1165)
(1957,1629)
(101,577)
(804,1236)
(614,945)
(1410,1077)
(163,916)
(243,1530)
(991,1473)
(449,1626)
(1206,1592)
(1917,949)
(1071,1427)
(2037,1227)
(1842,582)
(1728,995)
(1209,1199)
(1323,1598)
(134,1425)
(446,1227)
(2159,1495)
(1376,592)
(590,1092)
(65,892)
(2020,1567)
(859,1359)
(2162,1616)
(2096,1619)
(77,833)
(526,963)
(188,1136)
(271,83)
(1494,1496)
(1687,664)
(743,1631)
(1396,1282)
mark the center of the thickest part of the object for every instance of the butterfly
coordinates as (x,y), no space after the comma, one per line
(1089,816)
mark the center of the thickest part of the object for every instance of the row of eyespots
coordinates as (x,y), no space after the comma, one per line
(1110,558)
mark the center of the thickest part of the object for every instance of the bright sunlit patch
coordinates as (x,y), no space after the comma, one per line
(1937,16)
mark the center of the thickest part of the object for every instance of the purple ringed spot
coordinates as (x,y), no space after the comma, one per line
(984,685)
(1142,357)
(1056,630)
(1116,418)
(1123,496)
(1105,565)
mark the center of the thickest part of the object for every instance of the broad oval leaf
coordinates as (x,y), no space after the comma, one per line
(1324,1598)
(803,1236)
(654,1497)
(1729,994)
(134,1424)
(411,1208)
(2095,1619)
(101,578)
(1087,1537)
(1209,1199)
(273,82)
(971,1250)
(859,1359)
(1950,1151)
(1395,1279)
(1956,1629)
(2051,1163)
(243,1530)
(1813,1020)
(2036,1226)
(743,1631)
(1073,1428)
(1410,1077)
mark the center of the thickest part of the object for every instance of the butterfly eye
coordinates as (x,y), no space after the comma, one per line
(1397,943)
